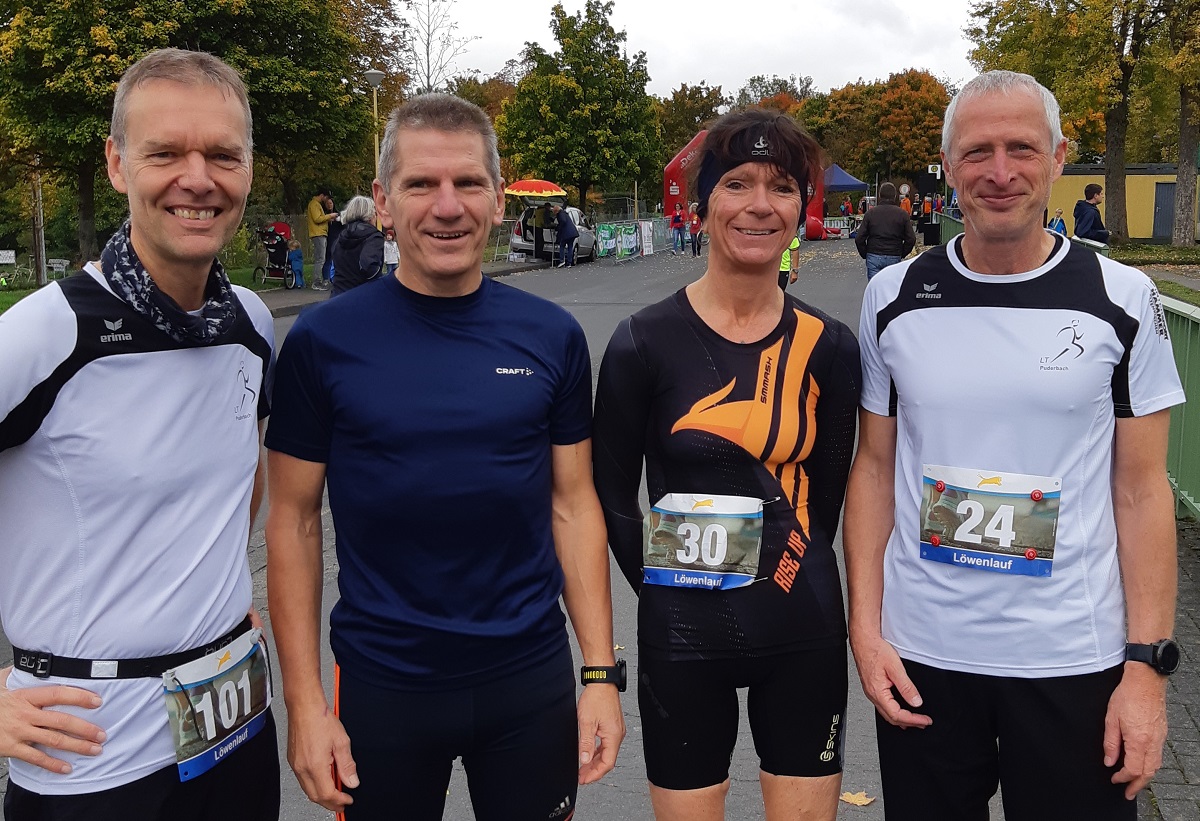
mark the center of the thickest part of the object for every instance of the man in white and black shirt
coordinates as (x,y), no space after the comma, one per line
(131,402)
(1009,527)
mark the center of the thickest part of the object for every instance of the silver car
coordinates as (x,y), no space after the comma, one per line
(522,235)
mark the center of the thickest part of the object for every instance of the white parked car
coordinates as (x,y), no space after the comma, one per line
(522,236)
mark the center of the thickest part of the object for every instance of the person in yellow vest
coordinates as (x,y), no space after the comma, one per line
(789,263)
(320,214)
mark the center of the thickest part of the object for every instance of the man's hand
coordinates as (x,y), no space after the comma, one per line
(1135,727)
(599,717)
(880,669)
(318,749)
(795,275)
(26,721)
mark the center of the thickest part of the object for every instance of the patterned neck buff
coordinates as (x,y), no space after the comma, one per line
(129,281)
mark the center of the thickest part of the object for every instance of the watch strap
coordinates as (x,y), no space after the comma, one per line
(1140,652)
(604,675)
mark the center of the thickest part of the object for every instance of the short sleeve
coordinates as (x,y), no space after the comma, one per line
(876,394)
(302,423)
(1152,380)
(571,416)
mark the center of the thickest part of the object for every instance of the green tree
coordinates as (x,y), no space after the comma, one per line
(302,61)
(761,89)
(686,112)
(581,115)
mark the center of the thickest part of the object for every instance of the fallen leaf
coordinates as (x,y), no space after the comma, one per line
(857,799)
(618,647)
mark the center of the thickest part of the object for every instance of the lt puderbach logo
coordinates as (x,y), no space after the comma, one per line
(248,396)
(1068,337)
(115,325)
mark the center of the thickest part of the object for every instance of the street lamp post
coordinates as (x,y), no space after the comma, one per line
(375,77)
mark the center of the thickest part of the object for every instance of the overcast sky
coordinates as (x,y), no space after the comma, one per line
(723,42)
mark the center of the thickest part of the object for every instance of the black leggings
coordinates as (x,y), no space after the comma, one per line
(518,739)
(696,244)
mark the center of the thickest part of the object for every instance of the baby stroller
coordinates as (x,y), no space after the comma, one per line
(274,238)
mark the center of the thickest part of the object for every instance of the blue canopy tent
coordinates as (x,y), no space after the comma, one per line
(837,179)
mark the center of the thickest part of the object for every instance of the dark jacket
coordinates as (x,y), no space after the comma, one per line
(566,227)
(357,256)
(1088,223)
(885,230)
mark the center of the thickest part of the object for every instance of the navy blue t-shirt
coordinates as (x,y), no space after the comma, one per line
(435,419)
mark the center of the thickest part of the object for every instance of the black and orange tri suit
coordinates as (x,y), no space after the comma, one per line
(747,449)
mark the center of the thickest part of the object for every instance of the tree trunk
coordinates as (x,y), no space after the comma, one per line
(1183,232)
(85,232)
(293,202)
(1116,122)
(584,185)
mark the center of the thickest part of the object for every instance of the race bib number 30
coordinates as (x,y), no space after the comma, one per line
(989,520)
(703,542)
(217,703)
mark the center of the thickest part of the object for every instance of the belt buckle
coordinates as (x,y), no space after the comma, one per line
(36,664)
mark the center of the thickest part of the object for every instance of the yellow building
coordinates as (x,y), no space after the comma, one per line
(1149,197)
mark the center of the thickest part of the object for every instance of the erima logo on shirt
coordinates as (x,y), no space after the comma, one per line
(115,325)
(761,148)
(929,292)
(515,371)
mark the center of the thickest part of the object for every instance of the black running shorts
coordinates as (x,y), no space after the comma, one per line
(517,737)
(796,705)
(243,787)
(1040,740)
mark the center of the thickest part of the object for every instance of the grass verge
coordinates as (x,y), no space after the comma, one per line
(1177,290)
(1156,254)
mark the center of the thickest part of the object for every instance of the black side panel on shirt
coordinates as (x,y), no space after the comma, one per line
(107,326)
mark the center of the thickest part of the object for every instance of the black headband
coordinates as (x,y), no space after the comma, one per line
(711,172)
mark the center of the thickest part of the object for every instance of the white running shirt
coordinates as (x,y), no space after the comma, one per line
(1010,383)
(126,468)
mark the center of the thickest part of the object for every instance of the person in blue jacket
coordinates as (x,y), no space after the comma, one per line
(567,234)
(1088,223)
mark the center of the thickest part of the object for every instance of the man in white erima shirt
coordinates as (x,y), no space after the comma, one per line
(1009,527)
(132,397)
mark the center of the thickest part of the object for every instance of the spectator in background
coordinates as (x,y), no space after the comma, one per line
(391,251)
(295,260)
(1057,224)
(1088,223)
(678,226)
(542,219)
(886,234)
(906,205)
(358,251)
(320,213)
(695,227)
(565,236)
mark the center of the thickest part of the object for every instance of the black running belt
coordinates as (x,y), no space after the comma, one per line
(44,665)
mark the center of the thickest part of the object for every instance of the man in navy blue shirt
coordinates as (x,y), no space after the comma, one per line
(450,416)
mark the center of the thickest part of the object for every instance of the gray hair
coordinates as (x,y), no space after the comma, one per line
(359,209)
(437,112)
(178,66)
(1004,82)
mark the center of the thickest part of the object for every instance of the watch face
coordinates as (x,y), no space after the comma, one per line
(1167,653)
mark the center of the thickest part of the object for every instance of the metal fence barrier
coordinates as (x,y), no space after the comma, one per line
(1183,443)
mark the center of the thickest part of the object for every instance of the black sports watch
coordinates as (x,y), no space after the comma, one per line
(604,675)
(1163,655)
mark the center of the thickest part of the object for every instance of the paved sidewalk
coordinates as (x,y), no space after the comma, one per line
(285,302)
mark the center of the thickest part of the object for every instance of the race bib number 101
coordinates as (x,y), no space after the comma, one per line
(217,703)
(702,542)
(989,520)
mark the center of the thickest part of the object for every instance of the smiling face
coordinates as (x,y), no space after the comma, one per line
(186,170)
(1002,163)
(753,213)
(443,204)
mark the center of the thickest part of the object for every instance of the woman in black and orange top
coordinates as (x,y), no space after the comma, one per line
(742,401)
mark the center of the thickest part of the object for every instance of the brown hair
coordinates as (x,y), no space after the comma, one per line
(758,135)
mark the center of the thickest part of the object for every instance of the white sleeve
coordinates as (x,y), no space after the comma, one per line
(877,379)
(1153,380)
